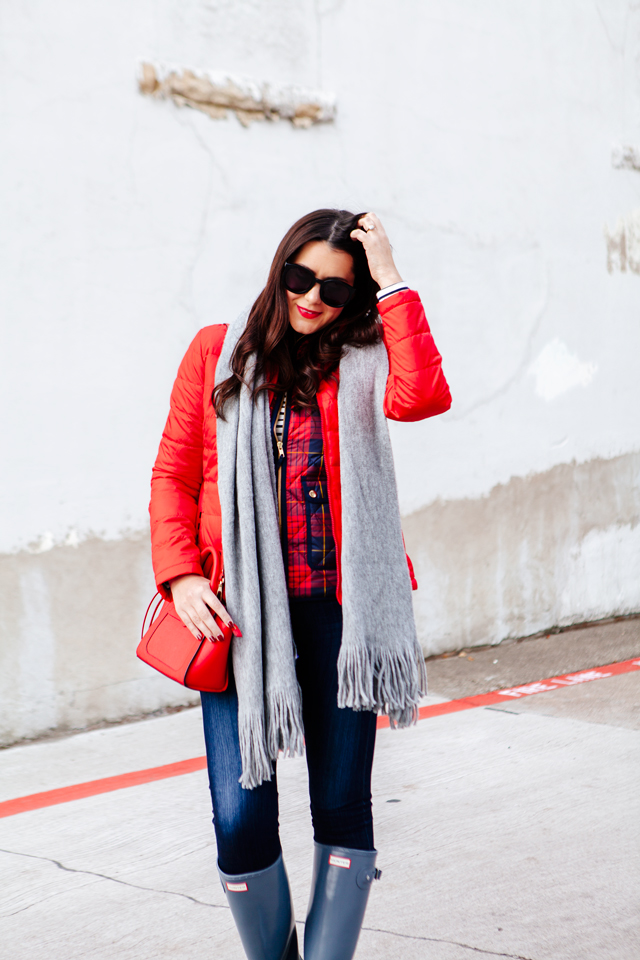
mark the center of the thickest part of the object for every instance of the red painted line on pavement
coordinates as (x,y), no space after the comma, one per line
(92,788)
(526,690)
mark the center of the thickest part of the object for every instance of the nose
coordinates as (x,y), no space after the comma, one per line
(313,295)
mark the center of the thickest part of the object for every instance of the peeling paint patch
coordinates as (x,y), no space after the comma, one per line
(216,94)
(625,157)
(44,544)
(72,539)
(557,370)
(623,244)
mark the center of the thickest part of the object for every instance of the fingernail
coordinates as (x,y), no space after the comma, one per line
(235,630)
(200,636)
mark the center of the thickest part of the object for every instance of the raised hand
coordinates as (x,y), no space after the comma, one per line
(373,238)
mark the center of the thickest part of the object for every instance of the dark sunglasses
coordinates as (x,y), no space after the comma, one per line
(333,291)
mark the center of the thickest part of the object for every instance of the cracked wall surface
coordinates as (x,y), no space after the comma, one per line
(128,225)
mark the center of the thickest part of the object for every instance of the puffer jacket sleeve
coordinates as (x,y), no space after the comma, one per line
(416,386)
(177,475)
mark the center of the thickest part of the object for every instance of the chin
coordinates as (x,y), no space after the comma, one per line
(302,325)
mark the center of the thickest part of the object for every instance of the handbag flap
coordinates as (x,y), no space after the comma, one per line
(172,648)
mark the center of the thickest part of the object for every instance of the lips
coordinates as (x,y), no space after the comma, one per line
(308,314)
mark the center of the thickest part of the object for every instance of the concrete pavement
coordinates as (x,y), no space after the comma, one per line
(505,832)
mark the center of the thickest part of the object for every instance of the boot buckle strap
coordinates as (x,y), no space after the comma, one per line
(366,877)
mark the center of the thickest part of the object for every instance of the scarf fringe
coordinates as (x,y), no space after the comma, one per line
(256,763)
(285,729)
(387,681)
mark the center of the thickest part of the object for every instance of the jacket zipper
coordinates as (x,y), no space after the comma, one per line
(331,505)
(280,428)
(278,432)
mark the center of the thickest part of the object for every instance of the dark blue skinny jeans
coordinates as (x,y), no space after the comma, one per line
(339,749)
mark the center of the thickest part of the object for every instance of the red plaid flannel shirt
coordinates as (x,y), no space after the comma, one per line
(307,537)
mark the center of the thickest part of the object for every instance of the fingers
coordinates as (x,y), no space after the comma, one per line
(199,621)
(369,222)
(205,622)
(369,229)
(194,602)
(212,602)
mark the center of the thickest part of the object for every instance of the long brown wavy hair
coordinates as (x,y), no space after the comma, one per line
(297,364)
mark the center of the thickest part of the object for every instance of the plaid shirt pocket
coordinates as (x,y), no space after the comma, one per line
(321,550)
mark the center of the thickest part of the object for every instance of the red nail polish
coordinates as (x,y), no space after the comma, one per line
(235,630)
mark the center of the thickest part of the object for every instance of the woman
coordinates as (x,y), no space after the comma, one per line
(276,454)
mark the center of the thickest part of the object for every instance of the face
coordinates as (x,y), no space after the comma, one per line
(307,312)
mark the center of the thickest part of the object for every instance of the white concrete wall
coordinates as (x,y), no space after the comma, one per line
(482,134)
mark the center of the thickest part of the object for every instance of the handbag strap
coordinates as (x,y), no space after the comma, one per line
(153,615)
(216,571)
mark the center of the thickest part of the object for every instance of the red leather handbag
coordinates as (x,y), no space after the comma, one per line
(171,648)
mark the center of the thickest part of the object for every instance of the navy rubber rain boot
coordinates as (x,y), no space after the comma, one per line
(262,909)
(340,888)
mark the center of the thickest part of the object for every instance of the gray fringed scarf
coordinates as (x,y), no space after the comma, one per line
(381,666)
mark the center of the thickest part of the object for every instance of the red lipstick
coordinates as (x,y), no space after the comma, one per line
(308,314)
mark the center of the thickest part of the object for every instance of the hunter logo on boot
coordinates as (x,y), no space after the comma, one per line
(237,887)
(339,862)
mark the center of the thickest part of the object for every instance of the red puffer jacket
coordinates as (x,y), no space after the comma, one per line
(185,509)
